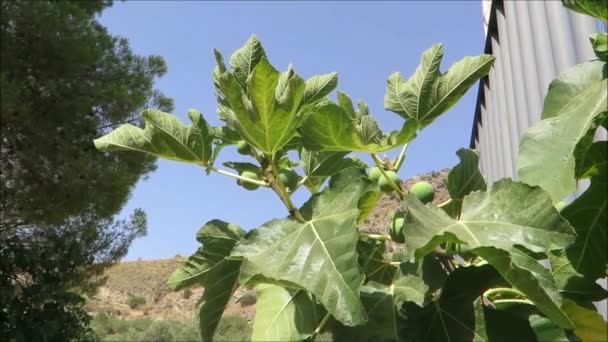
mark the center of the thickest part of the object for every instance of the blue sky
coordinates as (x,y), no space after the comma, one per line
(363,41)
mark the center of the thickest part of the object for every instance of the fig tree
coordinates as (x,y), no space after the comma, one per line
(289,178)
(396,229)
(424,191)
(248,185)
(384,183)
(243,147)
(374,174)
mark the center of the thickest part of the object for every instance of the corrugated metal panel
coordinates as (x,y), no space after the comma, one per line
(533,42)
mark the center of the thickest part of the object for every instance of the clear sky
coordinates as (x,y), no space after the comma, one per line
(364,42)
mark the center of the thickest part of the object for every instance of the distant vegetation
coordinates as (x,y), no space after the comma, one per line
(111,328)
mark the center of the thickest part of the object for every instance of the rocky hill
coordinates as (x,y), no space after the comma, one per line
(139,288)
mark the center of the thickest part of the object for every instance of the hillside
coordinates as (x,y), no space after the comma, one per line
(148,278)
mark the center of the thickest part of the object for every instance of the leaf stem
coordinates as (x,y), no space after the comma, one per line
(279,189)
(400,158)
(239,177)
(443,204)
(503,290)
(380,237)
(390,181)
(513,301)
(321,324)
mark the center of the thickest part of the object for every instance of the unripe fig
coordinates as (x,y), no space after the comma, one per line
(248,185)
(289,178)
(384,183)
(396,229)
(375,174)
(424,191)
(243,147)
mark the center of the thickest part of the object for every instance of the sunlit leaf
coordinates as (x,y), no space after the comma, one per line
(589,325)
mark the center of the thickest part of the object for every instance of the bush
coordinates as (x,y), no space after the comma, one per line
(159,331)
(233,328)
(135,301)
(187,294)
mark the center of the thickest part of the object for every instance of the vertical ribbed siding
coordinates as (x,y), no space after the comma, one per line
(533,41)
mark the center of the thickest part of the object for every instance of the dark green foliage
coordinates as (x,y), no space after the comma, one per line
(135,301)
(64,81)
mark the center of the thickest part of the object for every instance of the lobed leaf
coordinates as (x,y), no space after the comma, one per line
(318,255)
(319,165)
(317,87)
(464,178)
(284,314)
(509,214)
(546,155)
(328,127)
(164,136)
(218,239)
(245,59)
(589,324)
(428,93)
(594,8)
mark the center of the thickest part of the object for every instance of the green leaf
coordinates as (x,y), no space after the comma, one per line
(592,160)
(345,102)
(508,214)
(240,166)
(589,324)
(530,277)
(367,203)
(218,239)
(222,281)
(284,314)
(382,304)
(588,214)
(458,314)
(594,8)
(572,284)
(245,59)
(317,87)
(546,330)
(428,93)
(546,155)
(164,136)
(373,263)
(599,41)
(569,84)
(319,254)
(328,127)
(464,178)
(318,165)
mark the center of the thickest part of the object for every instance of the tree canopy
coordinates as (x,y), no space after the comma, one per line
(65,81)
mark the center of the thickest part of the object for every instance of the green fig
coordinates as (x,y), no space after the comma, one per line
(424,191)
(384,183)
(375,174)
(243,147)
(289,178)
(396,229)
(249,185)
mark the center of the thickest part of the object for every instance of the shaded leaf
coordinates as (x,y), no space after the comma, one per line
(572,284)
(428,93)
(375,266)
(319,254)
(464,178)
(588,214)
(218,239)
(546,155)
(318,165)
(284,314)
(164,136)
(222,281)
(367,203)
(589,324)
(530,277)
(241,166)
(593,159)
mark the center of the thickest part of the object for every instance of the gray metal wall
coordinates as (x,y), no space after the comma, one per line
(533,41)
